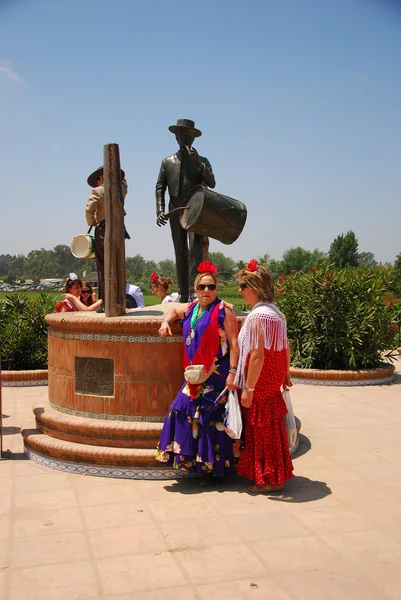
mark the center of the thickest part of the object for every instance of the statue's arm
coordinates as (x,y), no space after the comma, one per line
(208,175)
(161,186)
(91,207)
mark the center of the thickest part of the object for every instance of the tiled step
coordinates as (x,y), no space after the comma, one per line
(50,447)
(96,432)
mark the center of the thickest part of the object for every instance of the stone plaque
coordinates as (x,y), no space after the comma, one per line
(94,376)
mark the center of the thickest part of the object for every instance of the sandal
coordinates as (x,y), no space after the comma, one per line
(265,489)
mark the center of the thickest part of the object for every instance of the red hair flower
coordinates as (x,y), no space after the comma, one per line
(252,266)
(153,277)
(207,267)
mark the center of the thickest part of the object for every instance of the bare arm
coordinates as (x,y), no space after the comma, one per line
(171,316)
(80,305)
(255,366)
(231,329)
(287,382)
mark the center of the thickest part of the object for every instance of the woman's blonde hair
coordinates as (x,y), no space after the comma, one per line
(201,275)
(259,281)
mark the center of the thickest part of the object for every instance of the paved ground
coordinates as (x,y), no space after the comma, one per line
(335,533)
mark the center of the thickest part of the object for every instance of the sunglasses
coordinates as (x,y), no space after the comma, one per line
(243,286)
(203,286)
(85,292)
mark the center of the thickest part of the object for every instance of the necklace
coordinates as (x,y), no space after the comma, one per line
(194,320)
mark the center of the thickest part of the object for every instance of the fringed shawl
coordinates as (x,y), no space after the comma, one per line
(263,319)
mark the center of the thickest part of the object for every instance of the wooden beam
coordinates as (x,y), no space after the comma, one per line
(114,242)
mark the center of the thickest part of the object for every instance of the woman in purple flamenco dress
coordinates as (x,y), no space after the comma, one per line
(193,436)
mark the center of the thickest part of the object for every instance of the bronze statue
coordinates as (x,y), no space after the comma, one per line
(180,173)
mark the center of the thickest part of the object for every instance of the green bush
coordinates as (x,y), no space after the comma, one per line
(23,331)
(338,320)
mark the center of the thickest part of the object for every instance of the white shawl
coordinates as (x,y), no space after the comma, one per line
(263,319)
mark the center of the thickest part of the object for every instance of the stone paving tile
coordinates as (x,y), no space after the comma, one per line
(132,574)
(220,563)
(48,500)
(176,593)
(117,492)
(116,515)
(43,522)
(72,581)
(42,482)
(246,589)
(299,554)
(198,533)
(136,539)
(330,583)
(47,549)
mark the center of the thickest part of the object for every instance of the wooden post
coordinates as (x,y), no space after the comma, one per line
(114,242)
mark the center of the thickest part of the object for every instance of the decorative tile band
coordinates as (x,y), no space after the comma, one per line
(344,382)
(91,415)
(22,383)
(110,472)
(98,337)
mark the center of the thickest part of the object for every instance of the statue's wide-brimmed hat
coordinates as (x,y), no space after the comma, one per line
(185,124)
(93,177)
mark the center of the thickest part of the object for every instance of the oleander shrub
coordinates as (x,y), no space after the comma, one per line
(23,331)
(338,319)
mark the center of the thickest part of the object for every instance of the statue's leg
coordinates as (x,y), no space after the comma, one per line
(180,242)
(99,256)
(198,252)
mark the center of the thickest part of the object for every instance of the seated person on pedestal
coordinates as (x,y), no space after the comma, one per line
(133,295)
(160,288)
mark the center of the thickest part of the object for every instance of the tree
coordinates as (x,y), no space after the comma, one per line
(301,260)
(396,275)
(344,251)
(5,260)
(135,265)
(366,259)
(225,265)
(166,268)
(240,264)
(41,263)
(16,267)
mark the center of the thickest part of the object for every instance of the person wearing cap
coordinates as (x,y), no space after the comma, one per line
(95,216)
(180,172)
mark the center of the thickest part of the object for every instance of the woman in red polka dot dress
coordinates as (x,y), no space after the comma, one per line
(263,371)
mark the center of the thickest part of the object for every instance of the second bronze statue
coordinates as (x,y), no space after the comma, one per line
(180,172)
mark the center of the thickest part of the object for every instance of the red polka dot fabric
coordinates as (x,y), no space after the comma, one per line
(266,458)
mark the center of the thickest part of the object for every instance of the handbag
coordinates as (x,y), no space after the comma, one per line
(289,421)
(195,374)
(233,417)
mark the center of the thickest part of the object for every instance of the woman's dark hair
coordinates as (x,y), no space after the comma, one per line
(70,282)
(86,284)
(163,282)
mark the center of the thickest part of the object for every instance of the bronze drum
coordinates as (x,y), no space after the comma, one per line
(213,215)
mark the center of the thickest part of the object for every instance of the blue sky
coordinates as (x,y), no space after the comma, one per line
(298,101)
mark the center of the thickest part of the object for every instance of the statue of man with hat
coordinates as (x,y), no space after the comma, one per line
(95,216)
(180,173)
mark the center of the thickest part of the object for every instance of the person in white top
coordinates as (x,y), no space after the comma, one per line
(160,288)
(134,295)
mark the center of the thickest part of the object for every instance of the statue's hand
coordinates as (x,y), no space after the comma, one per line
(161,218)
(196,158)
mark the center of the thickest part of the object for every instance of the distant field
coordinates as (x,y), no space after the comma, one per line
(149,299)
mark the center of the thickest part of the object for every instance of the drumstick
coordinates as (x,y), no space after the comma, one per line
(175,210)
